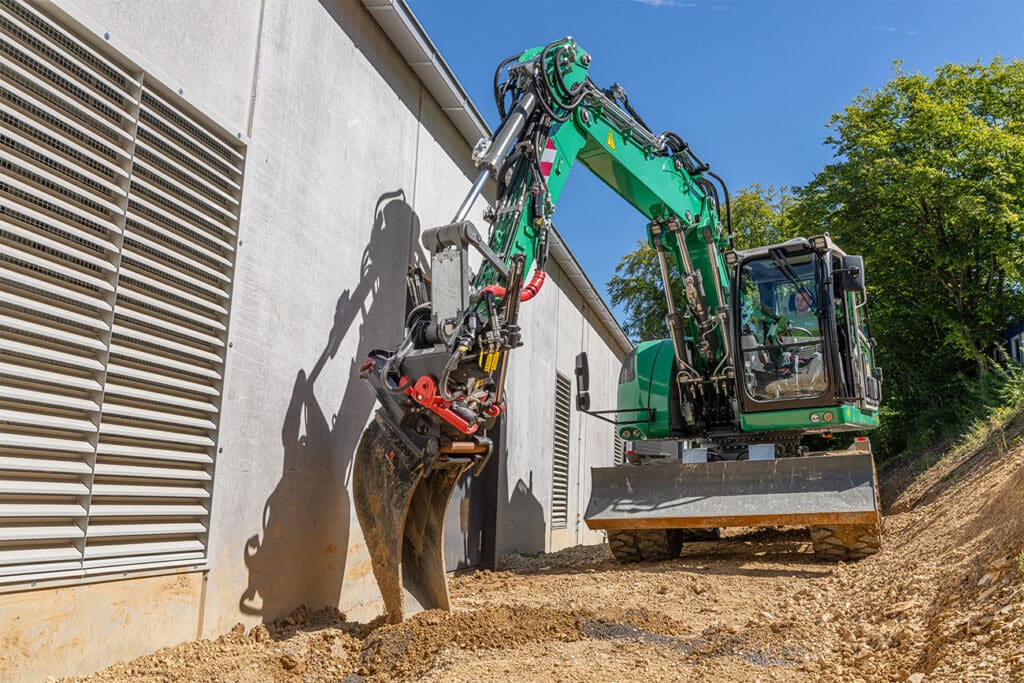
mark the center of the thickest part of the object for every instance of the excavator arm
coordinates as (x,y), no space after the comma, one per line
(458,338)
(442,389)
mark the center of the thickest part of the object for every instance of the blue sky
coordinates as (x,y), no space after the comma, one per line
(749,84)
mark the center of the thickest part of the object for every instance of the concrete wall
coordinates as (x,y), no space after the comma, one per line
(556,326)
(208,49)
(348,158)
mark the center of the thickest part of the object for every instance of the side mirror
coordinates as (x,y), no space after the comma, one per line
(582,382)
(853,274)
(582,372)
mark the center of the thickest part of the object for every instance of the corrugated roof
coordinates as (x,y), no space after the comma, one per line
(415,46)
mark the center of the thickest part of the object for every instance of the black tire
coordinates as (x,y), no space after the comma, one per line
(846,542)
(659,544)
(625,546)
(695,535)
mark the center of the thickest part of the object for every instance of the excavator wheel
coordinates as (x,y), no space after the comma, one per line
(635,545)
(846,542)
(659,544)
(624,546)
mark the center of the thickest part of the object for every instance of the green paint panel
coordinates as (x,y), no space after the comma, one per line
(844,419)
(649,388)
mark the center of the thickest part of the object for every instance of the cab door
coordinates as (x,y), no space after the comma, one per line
(862,378)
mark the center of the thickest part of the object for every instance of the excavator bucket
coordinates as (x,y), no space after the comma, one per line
(812,490)
(401,513)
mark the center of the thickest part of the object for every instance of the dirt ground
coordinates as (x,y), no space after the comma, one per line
(944,600)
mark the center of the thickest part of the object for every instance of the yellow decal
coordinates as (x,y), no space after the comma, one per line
(611,140)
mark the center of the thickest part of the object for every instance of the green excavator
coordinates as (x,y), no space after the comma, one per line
(765,346)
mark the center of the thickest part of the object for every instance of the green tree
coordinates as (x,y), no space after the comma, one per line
(761,216)
(637,287)
(928,184)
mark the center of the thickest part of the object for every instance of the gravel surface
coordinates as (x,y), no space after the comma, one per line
(944,600)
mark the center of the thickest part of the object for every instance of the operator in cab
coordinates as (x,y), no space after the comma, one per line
(802,315)
(800,371)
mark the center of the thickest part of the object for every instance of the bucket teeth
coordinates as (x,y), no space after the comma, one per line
(401,513)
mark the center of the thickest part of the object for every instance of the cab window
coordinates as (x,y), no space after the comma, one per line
(780,337)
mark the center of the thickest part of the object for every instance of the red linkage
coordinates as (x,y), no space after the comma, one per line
(424,392)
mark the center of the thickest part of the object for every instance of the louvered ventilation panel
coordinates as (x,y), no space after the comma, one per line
(560,463)
(119,213)
(619,456)
(154,462)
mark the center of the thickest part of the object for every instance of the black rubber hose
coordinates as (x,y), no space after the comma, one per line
(425,306)
(572,92)
(517,152)
(617,92)
(728,206)
(550,112)
(674,142)
(701,166)
(546,87)
(499,99)
(710,189)
(442,383)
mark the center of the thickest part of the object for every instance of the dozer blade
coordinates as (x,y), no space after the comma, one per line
(825,489)
(401,513)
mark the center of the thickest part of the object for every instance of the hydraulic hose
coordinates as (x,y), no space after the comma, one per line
(528,292)
(728,206)
(442,383)
(499,91)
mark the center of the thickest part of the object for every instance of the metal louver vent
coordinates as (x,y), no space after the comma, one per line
(560,462)
(619,456)
(118,216)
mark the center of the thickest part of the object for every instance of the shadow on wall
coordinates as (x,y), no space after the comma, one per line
(301,556)
(525,529)
(471,542)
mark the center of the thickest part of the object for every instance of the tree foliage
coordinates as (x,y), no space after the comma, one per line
(928,184)
(637,287)
(761,216)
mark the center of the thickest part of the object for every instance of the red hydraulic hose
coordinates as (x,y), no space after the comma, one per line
(536,282)
(527,293)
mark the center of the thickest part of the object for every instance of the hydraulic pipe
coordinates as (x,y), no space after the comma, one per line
(474,192)
(672,319)
(498,150)
(502,141)
(722,312)
(670,303)
(515,281)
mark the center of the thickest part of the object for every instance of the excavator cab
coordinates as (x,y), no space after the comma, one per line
(802,336)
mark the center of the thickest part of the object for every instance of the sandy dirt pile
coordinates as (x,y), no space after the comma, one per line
(944,600)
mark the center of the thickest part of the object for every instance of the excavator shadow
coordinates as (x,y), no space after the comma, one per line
(300,554)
